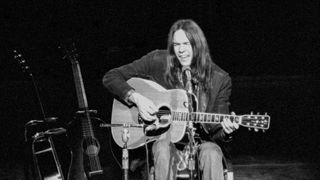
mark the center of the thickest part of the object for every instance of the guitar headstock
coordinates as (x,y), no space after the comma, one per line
(22,62)
(69,50)
(256,121)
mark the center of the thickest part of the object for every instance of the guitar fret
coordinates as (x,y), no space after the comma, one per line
(210,117)
(237,119)
(220,118)
(201,117)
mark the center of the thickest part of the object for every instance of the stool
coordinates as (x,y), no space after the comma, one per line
(184,174)
(227,172)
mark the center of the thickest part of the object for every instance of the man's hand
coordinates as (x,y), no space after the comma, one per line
(145,106)
(229,126)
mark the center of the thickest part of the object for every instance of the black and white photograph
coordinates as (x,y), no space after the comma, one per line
(159,90)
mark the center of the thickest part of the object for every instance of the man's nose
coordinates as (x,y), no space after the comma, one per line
(181,48)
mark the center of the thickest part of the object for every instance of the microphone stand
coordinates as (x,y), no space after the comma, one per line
(190,128)
(125,153)
(125,139)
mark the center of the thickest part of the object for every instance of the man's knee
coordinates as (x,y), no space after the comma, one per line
(211,151)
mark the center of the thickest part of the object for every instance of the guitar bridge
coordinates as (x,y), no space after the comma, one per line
(93,173)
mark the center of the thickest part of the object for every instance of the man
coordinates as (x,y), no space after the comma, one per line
(187,49)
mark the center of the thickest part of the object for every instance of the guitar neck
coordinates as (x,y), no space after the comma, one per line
(198,117)
(82,100)
(250,121)
(81,94)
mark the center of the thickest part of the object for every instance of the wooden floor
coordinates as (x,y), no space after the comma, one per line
(273,171)
(244,167)
(269,169)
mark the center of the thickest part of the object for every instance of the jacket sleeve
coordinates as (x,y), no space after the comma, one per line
(115,79)
(221,105)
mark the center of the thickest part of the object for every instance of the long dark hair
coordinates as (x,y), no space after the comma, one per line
(201,65)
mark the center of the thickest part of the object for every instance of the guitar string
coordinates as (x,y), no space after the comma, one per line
(93,160)
(207,117)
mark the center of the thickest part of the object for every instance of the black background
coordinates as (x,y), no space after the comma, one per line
(270,49)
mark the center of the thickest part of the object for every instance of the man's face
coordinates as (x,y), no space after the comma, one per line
(182,48)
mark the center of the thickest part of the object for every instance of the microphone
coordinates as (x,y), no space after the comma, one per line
(188,85)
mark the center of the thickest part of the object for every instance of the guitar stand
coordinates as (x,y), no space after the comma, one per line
(43,151)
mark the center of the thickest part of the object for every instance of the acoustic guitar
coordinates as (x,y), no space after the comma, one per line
(85,163)
(39,139)
(173,115)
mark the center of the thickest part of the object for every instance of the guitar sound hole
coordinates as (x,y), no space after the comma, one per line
(164,115)
(91,146)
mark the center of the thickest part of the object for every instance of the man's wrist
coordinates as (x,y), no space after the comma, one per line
(128,97)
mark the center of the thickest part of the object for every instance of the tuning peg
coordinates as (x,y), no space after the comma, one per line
(258,113)
(251,113)
(265,114)
(263,130)
(256,130)
(249,129)
(22,61)
(17,56)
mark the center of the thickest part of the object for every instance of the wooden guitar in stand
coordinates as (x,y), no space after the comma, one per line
(39,139)
(85,163)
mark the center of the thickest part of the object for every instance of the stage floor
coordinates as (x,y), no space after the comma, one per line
(244,167)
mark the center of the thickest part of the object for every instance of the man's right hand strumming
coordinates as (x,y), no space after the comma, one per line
(146,108)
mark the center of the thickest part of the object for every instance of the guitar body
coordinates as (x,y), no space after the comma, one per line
(80,162)
(174,100)
(173,115)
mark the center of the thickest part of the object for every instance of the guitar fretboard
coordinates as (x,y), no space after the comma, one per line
(81,94)
(198,117)
(82,100)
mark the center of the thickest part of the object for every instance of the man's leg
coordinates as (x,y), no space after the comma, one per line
(163,155)
(211,161)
